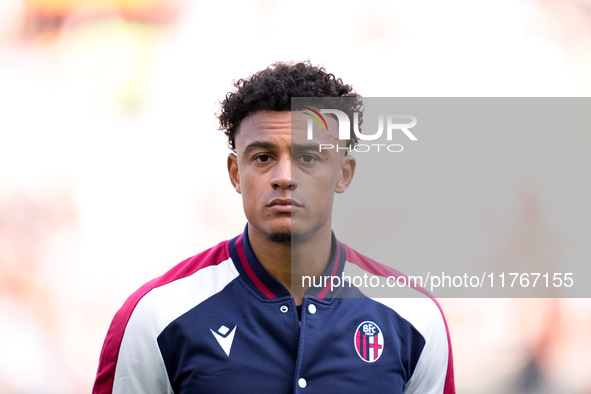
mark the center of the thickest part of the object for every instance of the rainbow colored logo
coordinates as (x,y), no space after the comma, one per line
(316,119)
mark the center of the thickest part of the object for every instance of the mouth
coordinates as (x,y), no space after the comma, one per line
(284,205)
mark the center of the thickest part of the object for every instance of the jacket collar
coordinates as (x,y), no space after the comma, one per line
(267,287)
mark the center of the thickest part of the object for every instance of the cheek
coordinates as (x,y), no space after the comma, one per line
(324,182)
(322,192)
(251,190)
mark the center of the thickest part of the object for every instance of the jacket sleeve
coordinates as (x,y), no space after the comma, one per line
(130,360)
(433,373)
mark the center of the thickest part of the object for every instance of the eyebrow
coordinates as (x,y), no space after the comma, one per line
(305,147)
(270,146)
(260,144)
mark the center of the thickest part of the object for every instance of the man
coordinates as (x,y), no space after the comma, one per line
(233,319)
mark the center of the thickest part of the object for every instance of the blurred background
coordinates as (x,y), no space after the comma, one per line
(112,168)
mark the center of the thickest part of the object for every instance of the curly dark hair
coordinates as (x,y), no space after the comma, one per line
(271,89)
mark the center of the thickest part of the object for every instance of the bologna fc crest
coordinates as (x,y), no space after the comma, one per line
(369,341)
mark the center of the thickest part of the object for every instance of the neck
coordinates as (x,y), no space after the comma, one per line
(289,262)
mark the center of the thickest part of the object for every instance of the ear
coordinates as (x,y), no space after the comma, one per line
(347,171)
(233,172)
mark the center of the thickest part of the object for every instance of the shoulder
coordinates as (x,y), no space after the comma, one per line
(208,268)
(144,315)
(434,371)
(357,264)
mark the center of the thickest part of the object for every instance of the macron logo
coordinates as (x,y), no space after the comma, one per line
(224,338)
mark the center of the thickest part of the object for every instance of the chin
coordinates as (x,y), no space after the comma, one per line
(280,237)
(286,237)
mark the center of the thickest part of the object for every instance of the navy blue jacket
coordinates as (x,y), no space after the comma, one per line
(218,322)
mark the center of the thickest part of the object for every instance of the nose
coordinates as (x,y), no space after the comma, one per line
(282,175)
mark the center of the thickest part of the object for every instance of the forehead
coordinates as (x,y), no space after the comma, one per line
(285,126)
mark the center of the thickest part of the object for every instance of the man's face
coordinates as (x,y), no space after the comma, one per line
(287,185)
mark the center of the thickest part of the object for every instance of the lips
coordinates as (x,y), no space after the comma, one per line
(284,201)
(283,205)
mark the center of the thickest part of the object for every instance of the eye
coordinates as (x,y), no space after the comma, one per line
(308,158)
(262,158)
